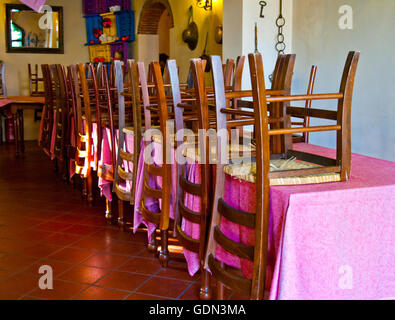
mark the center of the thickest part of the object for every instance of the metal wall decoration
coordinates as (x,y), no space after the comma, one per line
(263,4)
(218,34)
(191,34)
(280,22)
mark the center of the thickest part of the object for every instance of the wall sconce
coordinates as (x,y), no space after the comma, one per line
(205,4)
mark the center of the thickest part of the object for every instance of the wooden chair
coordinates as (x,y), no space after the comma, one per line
(82,155)
(186,113)
(197,111)
(257,253)
(36,82)
(61,118)
(306,120)
(123,176)
(87,114)
(47,116)
(161,218)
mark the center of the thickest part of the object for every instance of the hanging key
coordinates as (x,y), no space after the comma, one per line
(263,4)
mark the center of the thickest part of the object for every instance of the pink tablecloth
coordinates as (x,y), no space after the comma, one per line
(4,102)
(326,241)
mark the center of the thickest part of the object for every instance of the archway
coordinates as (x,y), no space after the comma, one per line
(155,21)
(151,14)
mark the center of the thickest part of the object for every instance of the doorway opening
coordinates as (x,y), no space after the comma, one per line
(156,20)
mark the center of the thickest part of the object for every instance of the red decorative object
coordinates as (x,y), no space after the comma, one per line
(97,33)
(107,23)
(102,59)
(96,60)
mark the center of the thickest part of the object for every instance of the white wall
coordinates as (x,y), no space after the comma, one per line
(239,18)
(317,39)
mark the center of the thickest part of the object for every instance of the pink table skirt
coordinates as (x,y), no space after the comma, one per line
(155,183)
(106,158)
(326,241)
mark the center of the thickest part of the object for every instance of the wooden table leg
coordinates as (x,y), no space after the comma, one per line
(21,131)
(16,133)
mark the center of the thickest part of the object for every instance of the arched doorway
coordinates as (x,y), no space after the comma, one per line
(155,21)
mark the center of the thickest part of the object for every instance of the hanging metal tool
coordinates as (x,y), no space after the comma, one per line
(256,38)
(280,22)
(263,4)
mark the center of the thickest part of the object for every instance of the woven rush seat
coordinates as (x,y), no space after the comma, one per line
(235,151)
(247,172)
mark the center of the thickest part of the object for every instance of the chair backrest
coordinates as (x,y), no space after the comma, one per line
(85,116)
(59,114)
(164,171)
(343,141)
(228,72)
(123,155)
(82,142)
(305,122)
(145,97)
(35,81)
(282,80)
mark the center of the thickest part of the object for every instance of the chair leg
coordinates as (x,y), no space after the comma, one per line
(205,288)
(84,188)
(153,244)
(109,215)
(121,218)
(65,175)
(221,288)
(164,255)
(90,190)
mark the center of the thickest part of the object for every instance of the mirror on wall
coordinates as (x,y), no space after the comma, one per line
(28,31)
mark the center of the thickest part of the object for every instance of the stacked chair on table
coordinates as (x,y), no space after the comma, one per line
(85,91)
(60,135)
(130,134)
(252,283)
(95,120)
(47,116)
(36,83)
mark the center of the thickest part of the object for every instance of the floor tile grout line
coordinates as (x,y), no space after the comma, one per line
(144,282)
(186,289)
(110,270)
(113,269)
(41,259)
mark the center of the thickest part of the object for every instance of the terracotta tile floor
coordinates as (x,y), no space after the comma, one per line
(44,221)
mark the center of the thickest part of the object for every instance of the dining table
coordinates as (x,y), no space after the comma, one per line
(13,107)
(327,241)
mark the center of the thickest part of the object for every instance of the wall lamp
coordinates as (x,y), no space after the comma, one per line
(205,4)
